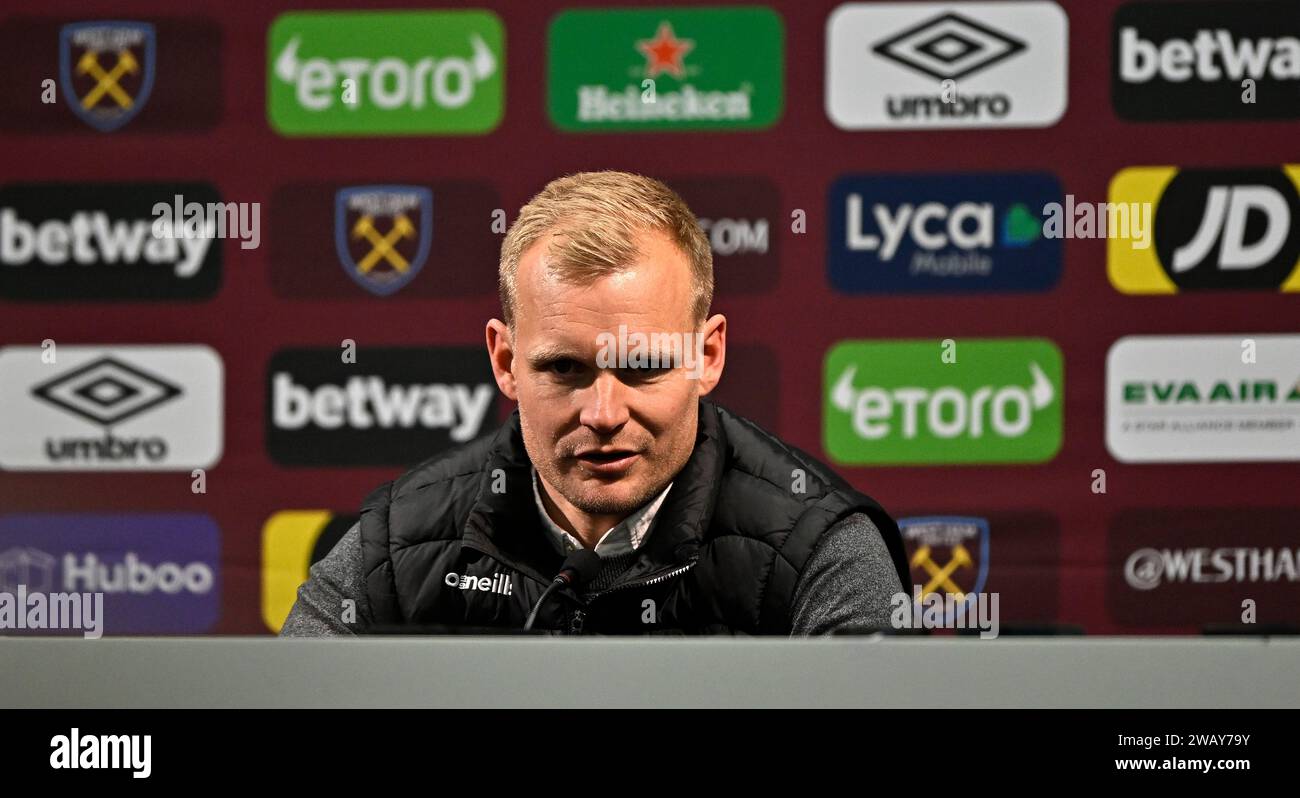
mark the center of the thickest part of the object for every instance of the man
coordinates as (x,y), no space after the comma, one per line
(703,523)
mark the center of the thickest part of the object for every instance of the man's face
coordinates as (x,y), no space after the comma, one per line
(607,439)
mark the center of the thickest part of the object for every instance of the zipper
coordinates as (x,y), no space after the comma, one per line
(654,581)
(579,617)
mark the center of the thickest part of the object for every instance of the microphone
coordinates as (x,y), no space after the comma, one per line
(579,568)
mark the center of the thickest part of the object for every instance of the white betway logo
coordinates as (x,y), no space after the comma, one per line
(1147,569)
(103,751)
(366,402)
(1212,55)
(93,237)
(947,412)
(498,583)
(392,83)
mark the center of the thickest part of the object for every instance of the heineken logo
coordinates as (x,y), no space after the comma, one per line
(665,69)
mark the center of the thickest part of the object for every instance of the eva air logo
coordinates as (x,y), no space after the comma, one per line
(950,402)
(665,69)
(386,73)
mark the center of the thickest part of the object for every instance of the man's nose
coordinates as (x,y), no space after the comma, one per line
(604,405)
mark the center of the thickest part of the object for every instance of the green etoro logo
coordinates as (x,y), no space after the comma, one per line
(385,73)
(919,402)
(665,69)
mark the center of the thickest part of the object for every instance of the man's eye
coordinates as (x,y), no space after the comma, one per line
(645,372)
(563,368)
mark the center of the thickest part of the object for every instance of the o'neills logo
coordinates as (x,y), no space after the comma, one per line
(498,583)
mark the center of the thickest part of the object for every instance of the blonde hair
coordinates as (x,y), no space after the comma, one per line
(596,218)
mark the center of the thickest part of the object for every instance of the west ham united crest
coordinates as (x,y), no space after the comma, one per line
(106,70)
(383,234)
(948,554)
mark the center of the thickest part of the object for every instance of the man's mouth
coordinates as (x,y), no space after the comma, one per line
(607,462)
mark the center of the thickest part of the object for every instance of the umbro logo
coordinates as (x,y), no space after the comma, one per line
(497,583)
(106,391)
(949,47)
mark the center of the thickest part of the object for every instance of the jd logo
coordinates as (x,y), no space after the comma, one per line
(106,70)
(1214,229)
(383,234)
(994,401)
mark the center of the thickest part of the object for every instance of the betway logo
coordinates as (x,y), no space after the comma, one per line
(370,402)
(945,412)
(1147,569)
(94,237)
(386,83)
(1212,55)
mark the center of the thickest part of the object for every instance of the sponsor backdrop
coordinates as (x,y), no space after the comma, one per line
(1026,272)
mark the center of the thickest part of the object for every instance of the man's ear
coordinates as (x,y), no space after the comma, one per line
(714,333)
(501,352)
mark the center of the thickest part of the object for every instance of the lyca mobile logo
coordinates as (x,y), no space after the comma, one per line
(154,408)
(666,69)
(942,233)
(920,65)
(932,402)
(1215,229)
(1206,60)
(395,72)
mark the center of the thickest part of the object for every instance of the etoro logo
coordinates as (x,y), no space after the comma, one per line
(920,402)
(1192,60)
(96,241)
(665,69)
(1215,229)
(942,233)
(393,406)
(926,65)
(392,72)
(110,408)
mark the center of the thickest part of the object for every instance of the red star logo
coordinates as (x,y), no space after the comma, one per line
(664,53)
